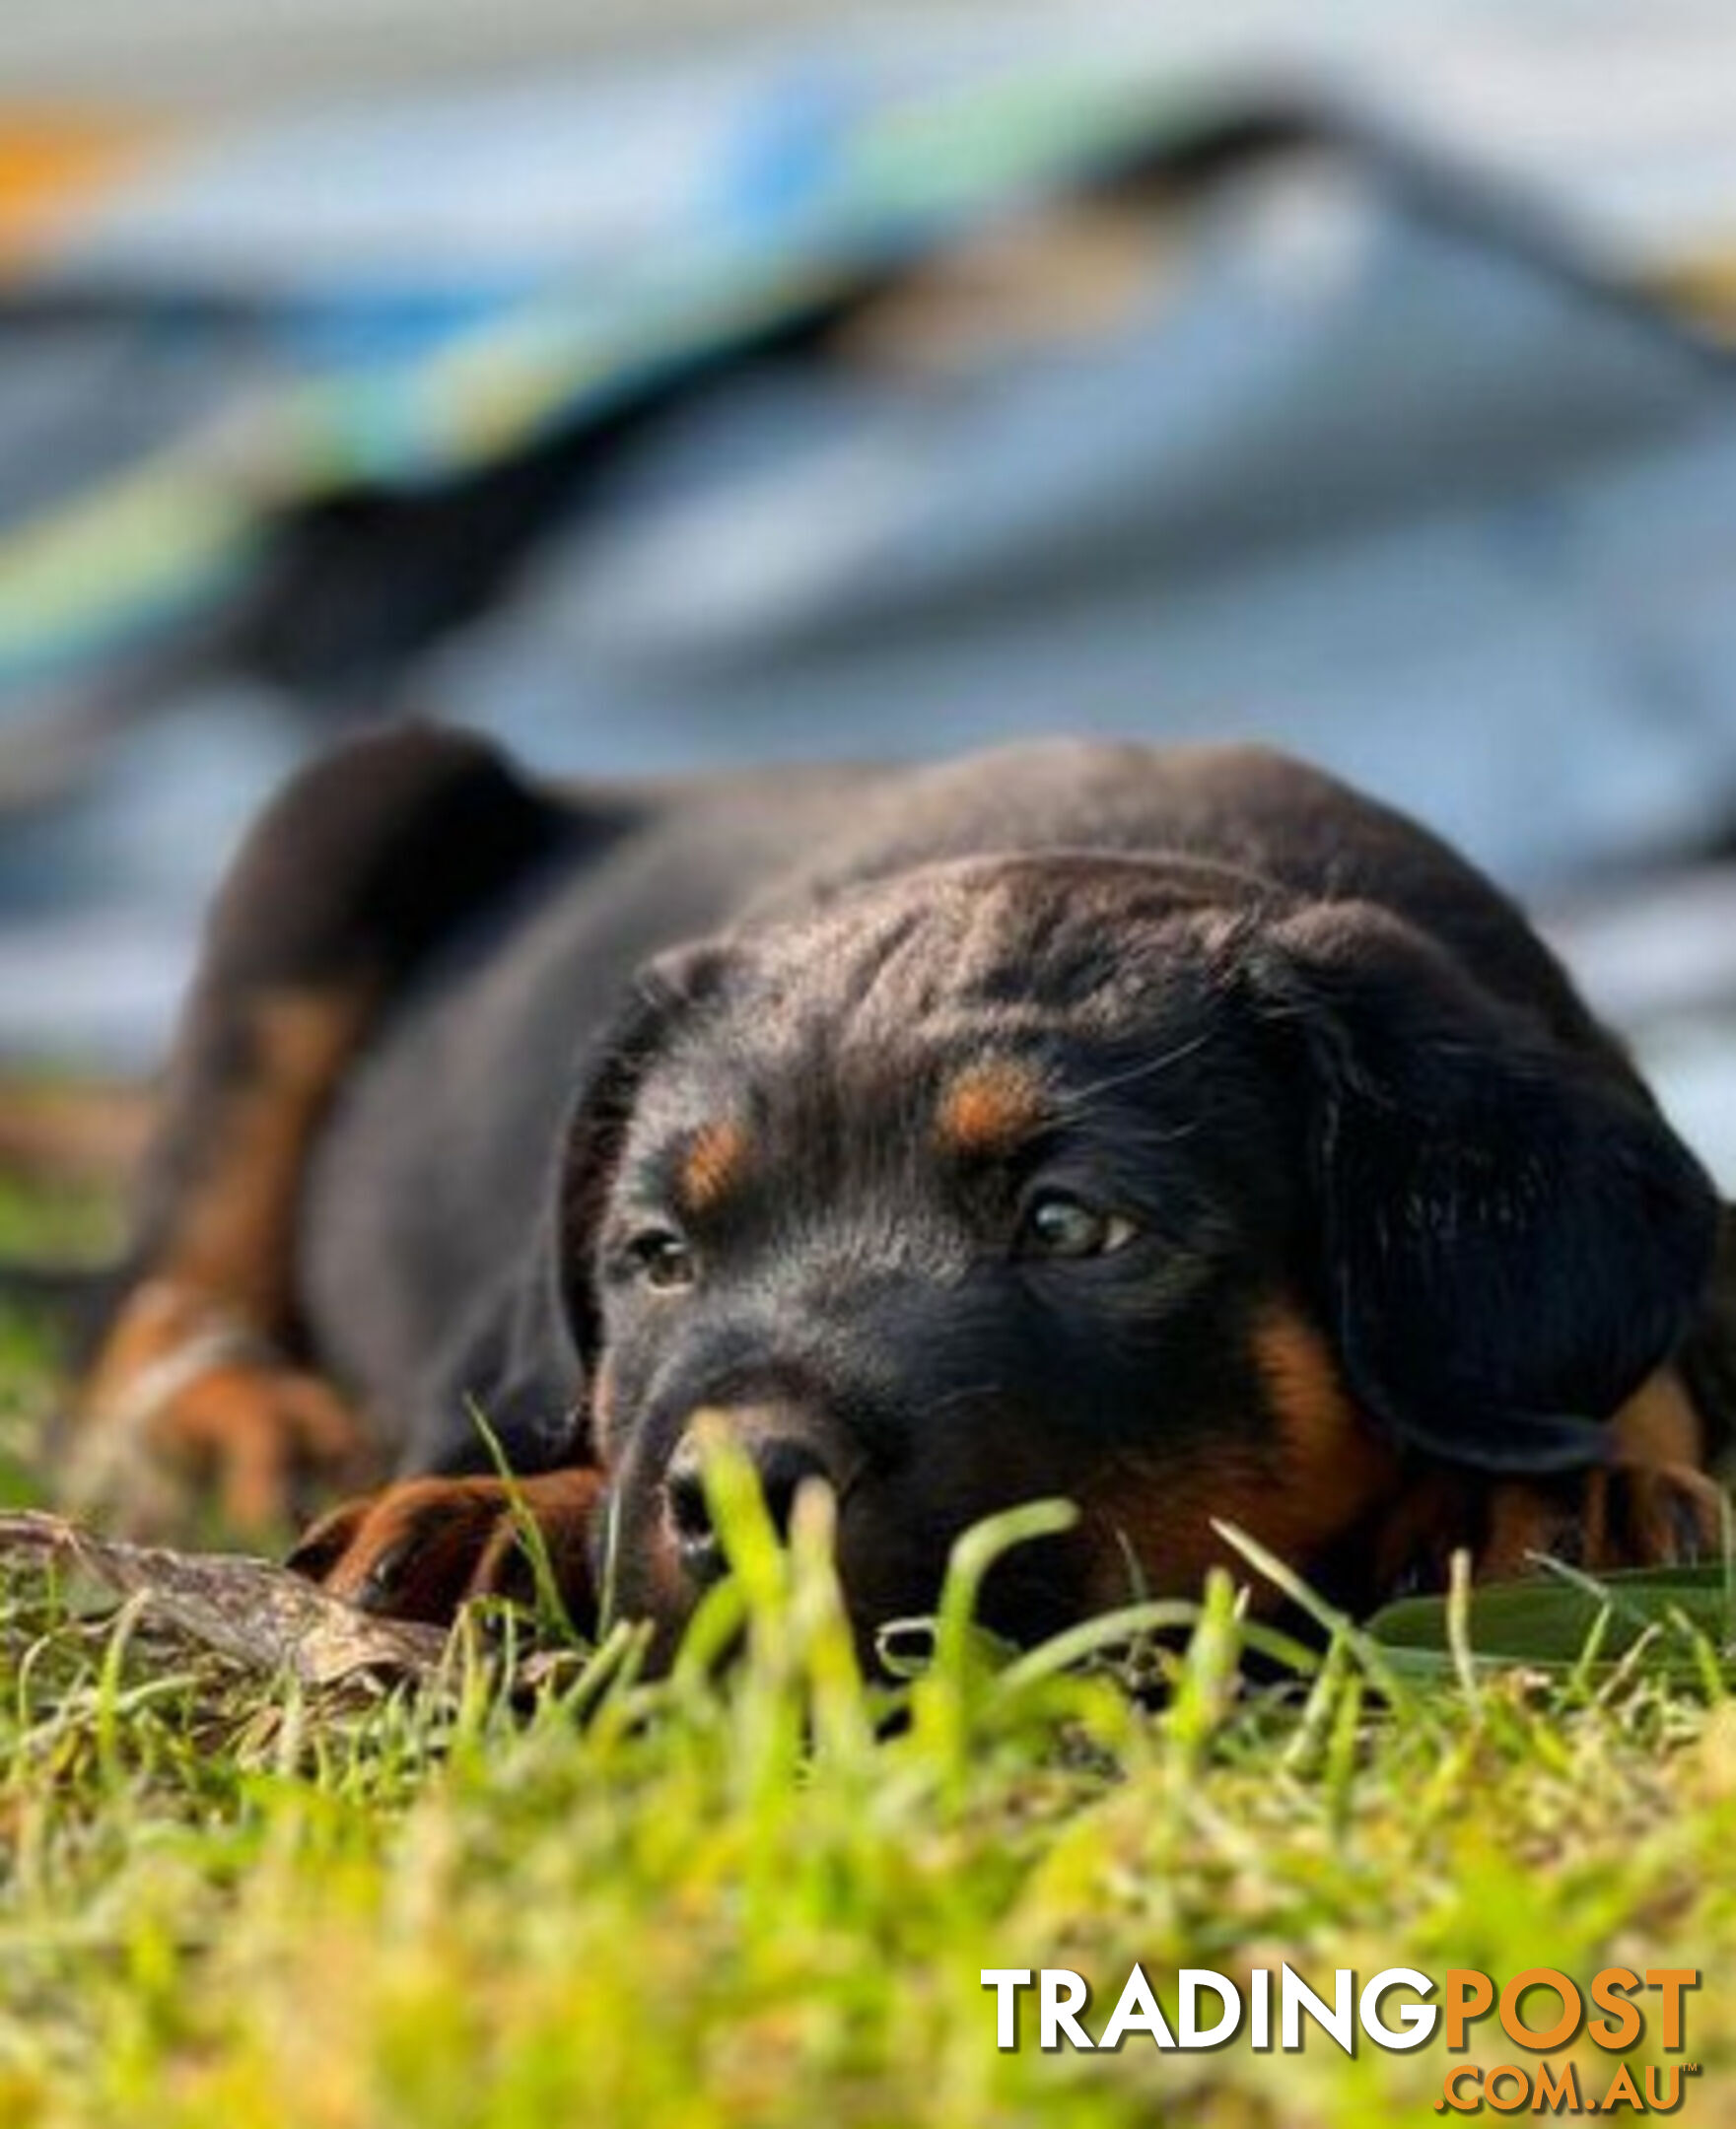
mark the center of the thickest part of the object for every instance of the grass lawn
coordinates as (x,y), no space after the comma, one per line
(738,1895)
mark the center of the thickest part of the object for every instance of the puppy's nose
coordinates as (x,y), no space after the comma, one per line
(781,1458)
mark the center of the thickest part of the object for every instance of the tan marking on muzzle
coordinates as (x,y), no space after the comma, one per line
(1320,1475)
(743,1426)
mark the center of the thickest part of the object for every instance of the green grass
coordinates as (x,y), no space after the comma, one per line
(72,1223)
(742,1895)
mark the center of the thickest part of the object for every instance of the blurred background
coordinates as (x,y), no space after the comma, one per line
(740,379)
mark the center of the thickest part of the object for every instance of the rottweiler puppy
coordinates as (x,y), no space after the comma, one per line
(1174,1131)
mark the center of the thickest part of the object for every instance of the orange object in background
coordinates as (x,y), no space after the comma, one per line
(52,161)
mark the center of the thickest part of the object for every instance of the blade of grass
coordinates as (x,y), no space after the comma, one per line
(1363,1647)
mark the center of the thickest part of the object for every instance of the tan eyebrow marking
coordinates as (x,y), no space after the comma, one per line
(713,1164)
(988,1108)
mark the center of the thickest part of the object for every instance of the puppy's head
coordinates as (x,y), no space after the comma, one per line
(1107,1178)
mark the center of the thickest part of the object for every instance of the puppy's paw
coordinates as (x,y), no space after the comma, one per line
(1653,1515)
(186,1410)
(418,1550)
(1625,1514)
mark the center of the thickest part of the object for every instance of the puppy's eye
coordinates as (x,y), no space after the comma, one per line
(662,1259)
(1058,1224)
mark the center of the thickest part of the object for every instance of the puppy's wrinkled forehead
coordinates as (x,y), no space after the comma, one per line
(952,1001)
(1065,940)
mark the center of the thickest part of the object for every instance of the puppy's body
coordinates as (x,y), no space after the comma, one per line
(1407,1216)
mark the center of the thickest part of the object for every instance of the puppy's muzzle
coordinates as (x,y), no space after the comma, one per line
(785,1453)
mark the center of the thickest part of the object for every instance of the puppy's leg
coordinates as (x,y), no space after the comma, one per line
(1653,1504)
(1661,1497)
(363,863)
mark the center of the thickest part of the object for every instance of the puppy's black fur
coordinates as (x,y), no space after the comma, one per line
(1177,1131)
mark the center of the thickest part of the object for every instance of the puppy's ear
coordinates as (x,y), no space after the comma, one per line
(1513,1238)
(666,994)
